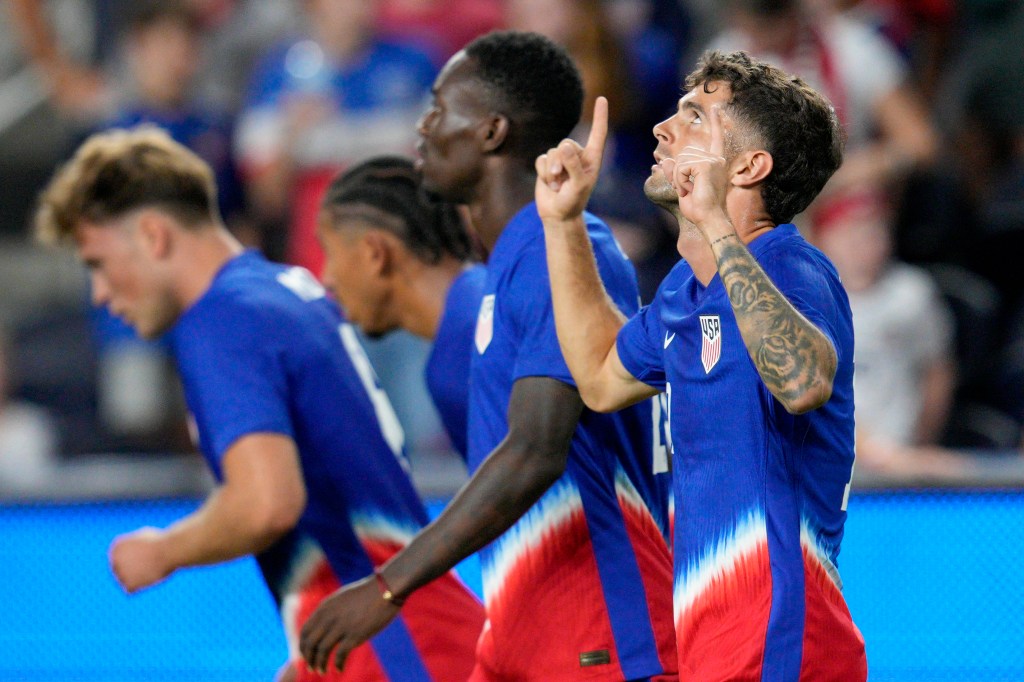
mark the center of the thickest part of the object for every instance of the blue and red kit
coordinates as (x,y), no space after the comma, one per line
(760,494)
(264,351)
(579,588)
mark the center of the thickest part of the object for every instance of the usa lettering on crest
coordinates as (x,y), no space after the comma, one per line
(485,324)
(711,341)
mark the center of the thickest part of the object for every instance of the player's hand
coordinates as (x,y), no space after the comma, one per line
(346,619)
(700,176)
(566,174)
(138,559)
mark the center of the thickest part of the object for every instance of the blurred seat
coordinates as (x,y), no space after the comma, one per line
(977,426)
(976,306)
(55,366)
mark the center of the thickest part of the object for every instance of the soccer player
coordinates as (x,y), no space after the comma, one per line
(304,444)
(751,338)
(563,502)
(397,258)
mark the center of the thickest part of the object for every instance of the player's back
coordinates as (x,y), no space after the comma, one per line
(265,351)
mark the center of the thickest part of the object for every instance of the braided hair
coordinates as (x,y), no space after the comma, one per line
(390,188)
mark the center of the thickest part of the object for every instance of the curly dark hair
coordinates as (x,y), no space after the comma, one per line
(796,125)
(429,228)
(535,83)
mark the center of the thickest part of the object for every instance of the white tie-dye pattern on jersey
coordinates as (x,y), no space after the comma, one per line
(306,562)
(377,528)
(813,549)
(720,564)
(556,508)
(632,503)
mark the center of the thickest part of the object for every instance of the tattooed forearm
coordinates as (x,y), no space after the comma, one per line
(795,360)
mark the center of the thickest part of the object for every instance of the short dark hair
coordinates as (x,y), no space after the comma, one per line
(534,82)
(429,227)
(796,125)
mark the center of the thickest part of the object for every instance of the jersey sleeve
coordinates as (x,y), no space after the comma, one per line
(533,313)
(638,345)
(235,380)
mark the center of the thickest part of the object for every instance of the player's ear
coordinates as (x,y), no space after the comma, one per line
(751,167)
(494,131)
(379,252)
(154,231)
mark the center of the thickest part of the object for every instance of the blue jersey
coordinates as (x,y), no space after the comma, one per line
(447,369)
(264,351)
(760,494)
(580,586)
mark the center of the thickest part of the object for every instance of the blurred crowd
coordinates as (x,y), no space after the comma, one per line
(922,221)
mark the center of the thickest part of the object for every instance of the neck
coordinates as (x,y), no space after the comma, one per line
(693,246)
(202,254)
(421,296)
(503,191)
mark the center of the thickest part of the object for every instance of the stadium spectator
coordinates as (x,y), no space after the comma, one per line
(629,74)
(28,435)
(904,349)
(889,133)
(439,27)
(751,338)
(65,54)
(305,447)
(565,505)
(396,258)
(318,104)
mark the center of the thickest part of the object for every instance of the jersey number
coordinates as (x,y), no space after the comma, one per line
(661,422)
(386,417)
(304,285)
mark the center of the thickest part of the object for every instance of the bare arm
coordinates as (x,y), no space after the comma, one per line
(587,320)
(542,417)
(261,499)
(795,359)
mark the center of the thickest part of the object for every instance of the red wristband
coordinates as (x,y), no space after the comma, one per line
(385,591)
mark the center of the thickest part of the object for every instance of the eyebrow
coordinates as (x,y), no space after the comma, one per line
(691,105)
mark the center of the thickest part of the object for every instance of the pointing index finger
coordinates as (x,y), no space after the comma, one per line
(598,131)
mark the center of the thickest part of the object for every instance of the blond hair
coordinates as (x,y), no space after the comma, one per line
(118,171)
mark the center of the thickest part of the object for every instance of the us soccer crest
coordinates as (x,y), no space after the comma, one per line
(711,341)
(485,324)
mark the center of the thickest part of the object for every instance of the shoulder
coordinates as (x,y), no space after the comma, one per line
(254,294)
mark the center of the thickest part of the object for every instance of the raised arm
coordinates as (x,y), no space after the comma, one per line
(542,416)
(586,318)
(795,359)
(261,499)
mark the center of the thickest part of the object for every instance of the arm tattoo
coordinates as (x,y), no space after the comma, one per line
(791,354)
